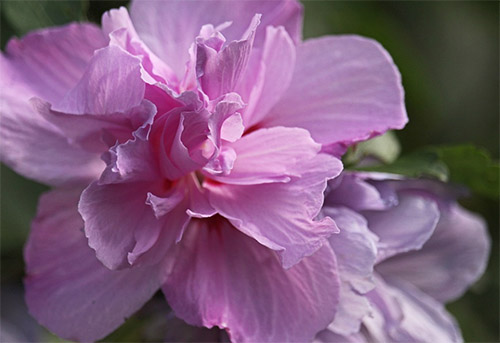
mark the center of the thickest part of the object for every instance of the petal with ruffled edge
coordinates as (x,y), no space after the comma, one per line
(124,219)
(169,28)
(117,24)
(67,289)
(402,313)
(356,251)
(275,215)
(405,227)
(223,278)
(450,261)
(344,89)
(219,71)
(270,155)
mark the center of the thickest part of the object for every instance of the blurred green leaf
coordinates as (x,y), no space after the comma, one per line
(415,165)
(463,164)
(24,16)
(385,148)
(472,167)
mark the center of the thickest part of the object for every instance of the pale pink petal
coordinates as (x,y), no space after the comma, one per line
(97,132)
(45,63)
(169,28)
(225,122)
(345,89)
(275,215)
(402,313)
(52,61)
(356,250)
(352,191)
(405,227)
(181,137)
(112,214)
(124,221)
(38,150)
(270,155)
(219,72)
(223,278)
(112,83)
(450,261)
(67,289)
(232,128)
(117,24)
(262,88)
(133,160)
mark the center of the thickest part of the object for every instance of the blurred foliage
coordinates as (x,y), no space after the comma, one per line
(24,16)
(448,55)
(460,164)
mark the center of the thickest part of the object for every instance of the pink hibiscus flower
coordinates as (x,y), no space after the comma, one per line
(190,146)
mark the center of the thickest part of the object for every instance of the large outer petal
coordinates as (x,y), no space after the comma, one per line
(46,63)
(405,227)
(38,150)
(450,261)
(67,289)
(345,89)
(280,215)
(170,27)
(51,61)
(402,313)
(223,278)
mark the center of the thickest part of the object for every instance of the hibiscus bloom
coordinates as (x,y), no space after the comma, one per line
(189,146)
(416,250)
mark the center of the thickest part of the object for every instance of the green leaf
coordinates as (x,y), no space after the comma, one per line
(24,16)
(385,148)
(415,165)
(473,167)
(461,164)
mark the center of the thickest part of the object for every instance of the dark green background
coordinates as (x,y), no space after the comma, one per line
(448,54)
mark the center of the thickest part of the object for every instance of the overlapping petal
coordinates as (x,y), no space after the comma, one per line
(404,314)
(454,256)
(272,214)
(46,64)
(355,248)
(404,227)
(270,155)
(130,211)
(344,89)
(51,61)
(223,278)
(268,75)
(169,28)
(67,289)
